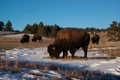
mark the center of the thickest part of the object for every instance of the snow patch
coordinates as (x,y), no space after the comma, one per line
(40,56)
(95,65)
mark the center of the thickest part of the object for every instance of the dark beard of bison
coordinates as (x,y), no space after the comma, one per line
(54,51)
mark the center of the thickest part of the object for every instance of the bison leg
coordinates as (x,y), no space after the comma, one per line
(57,55)
(72,52)
(51,55)
(85,51)
(65,53)
(97,42)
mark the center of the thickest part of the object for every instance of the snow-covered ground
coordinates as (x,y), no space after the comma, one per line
(40,55)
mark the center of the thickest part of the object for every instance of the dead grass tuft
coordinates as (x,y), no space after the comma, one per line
(112,52)
(14,42)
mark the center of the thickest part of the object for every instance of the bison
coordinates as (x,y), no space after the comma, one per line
(95,39)
(36,37)
(69,39)
(25,38)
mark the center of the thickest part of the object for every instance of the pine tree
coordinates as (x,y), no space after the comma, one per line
(8,26)
(34,28)
(41,29)
(27,29)
(54,30)
(1,25)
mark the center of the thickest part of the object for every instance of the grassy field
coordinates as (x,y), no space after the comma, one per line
(8,43)
(14,42)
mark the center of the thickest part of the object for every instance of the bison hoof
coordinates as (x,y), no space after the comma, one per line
(56,57)
(85,57)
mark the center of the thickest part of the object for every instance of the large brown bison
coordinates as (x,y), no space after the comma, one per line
(25,38)
(69,39)
(36,37)
(95,39)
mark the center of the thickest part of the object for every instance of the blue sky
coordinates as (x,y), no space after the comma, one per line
(65,13)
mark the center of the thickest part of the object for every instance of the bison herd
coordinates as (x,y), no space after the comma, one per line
(66,40)
(70,40)
(26,38)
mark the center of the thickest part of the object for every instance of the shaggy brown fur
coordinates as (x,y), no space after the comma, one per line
(95,39)
(25,38)
(36,37)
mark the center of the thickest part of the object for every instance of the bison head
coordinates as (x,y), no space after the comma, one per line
(22,40)
(33,40)
(95,39)
(54,50)
(25,38)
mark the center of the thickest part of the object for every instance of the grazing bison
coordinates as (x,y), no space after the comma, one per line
(25,38)
(69,39)
(95,39)
(36,37)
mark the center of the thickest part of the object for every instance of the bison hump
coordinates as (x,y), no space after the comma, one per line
(69,34)
(63,35)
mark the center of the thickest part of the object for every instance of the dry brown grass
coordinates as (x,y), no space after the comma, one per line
(112,52)
(104,42)
(14,42)
(66,72)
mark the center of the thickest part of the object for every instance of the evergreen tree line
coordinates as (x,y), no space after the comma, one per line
(6,27)
(113,31)
(43,30)
(51,30)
